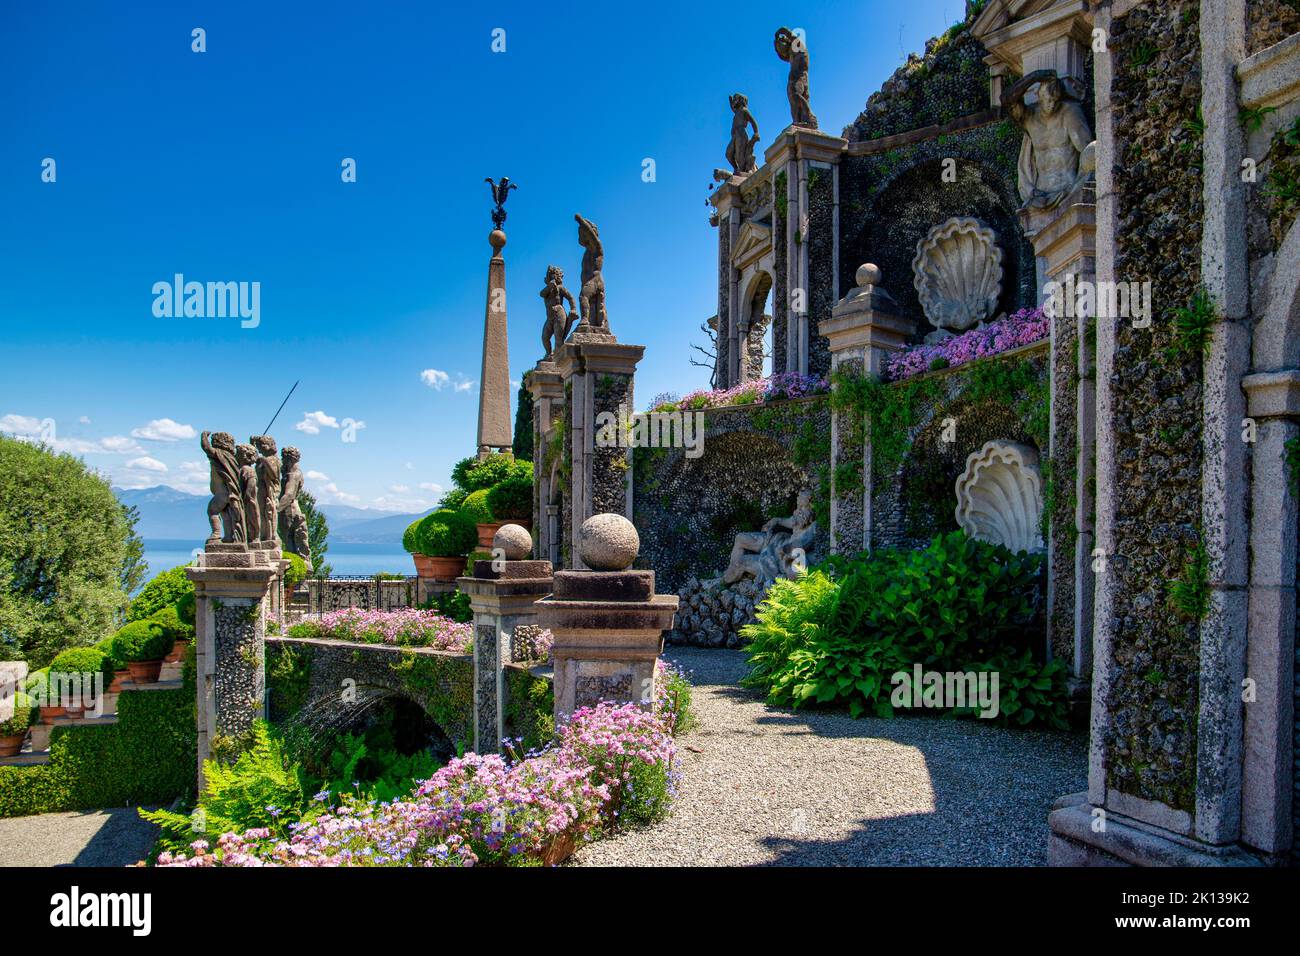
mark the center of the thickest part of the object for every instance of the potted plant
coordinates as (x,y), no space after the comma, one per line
(294,575)
(71,669)
(143,645)
(445,537)
(120,672)
(475,507)
(511,500)
(169,619)
(14,730)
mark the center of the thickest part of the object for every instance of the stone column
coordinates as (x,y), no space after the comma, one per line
(607,622)
(502,593)
(864,328)
(494,424)
(726,199)
(547,388)
(597,372)
(233,597)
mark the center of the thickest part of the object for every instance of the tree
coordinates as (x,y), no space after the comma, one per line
(710,353)
(69,555)
(523,441)
(318,532)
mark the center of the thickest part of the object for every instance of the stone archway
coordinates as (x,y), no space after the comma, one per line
(755,325)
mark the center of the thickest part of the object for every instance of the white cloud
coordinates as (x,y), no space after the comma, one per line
(399,503)
(431,486)
(164,429)
(27,428)
(464,385)
(318,476)
(399,489)
(145,463)
(313,422)
(119,445)
(23,426)
(435,378)
(84,419)
(410,466)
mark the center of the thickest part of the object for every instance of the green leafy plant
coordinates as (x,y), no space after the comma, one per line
(23,714)
(1252,117)
(1291,455)
(452,604)
(410,537)
(512,498)
(142,641)
(446,534)
(163,589)
(1143,53)
(83,660)
(169,619)
(1190,593)
(475,507)
(296,573)
(477,474)
(1194,325)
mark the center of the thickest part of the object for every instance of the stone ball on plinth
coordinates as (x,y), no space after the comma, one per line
(498,240)
(608,542)
(514,541)
(868,275)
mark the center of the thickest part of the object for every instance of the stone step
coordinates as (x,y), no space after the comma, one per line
(39,735)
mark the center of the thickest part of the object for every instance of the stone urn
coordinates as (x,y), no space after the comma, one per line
(12,745)
(145,672)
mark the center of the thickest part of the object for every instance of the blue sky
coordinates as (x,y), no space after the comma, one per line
(225,166)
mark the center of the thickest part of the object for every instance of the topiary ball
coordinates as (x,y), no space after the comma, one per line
(447,534)
(83,660)
(142,641)
(476,507)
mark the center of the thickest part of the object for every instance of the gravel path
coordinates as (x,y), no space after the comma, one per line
(763,786)
(116,837)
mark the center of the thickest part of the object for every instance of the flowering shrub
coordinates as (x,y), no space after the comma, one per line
(613,763)
(1020,328)
(784,385)
(408,627)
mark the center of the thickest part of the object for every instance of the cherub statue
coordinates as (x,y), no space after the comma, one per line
(558,322)
(1058,153)
(246,458)
(772,553)
(591,297)
(500,193)
(268,485)
(790,47)
(293,523)
(226,509)
(740,151)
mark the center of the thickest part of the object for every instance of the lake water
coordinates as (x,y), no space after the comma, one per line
(363,559)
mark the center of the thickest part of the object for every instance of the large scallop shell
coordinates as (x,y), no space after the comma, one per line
(1000,496)
(957,273)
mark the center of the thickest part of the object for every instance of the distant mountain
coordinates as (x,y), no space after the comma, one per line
(177,515)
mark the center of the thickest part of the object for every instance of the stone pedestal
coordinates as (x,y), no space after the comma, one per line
(864,328)
(234,590)
(547,387)
(502,595)
(597,375)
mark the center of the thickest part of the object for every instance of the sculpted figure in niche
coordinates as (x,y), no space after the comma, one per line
(558,321)
(246,457)
(1058,153)
(226,509)
(791,48)
(591,297)
(268,485)
(293,524)
(740,151)
(779,550)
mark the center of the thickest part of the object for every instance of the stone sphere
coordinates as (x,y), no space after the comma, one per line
(498,240)
(608,542)
(868,274)
(514,540)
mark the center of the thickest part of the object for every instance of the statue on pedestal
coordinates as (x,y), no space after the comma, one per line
(771,553)
(740,151)
(246,458)
(1058,153)
(293,523)
(268,485)
(791,48)
(591,297)
(558,322)
(500,193)
(226,509)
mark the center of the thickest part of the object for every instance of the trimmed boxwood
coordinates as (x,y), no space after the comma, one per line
(142,641)
(185,608)
(297,572)
(512,499)
(447,534)
(475,474)
(24,712)
(476,508)
(83,660)
(411,537)
(166,588)
(169,619)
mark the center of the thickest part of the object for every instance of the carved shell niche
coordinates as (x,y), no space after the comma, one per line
(957,273)
(1000,496)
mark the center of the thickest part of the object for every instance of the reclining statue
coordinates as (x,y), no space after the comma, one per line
(773,553)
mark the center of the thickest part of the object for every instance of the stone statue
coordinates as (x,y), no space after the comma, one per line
(226,509)
(591,297)
(791,48)
(1058,153)
(558,322)
(268,485)
(500,192)
(293,524)
(246,458)
(771,553)
(740,151)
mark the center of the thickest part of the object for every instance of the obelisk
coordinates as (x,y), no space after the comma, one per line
(495,429)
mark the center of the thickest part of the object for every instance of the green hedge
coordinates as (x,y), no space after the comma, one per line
(148,757)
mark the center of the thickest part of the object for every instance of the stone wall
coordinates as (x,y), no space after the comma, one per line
(1269,22)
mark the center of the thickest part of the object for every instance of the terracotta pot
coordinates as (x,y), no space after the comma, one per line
(12,746)
(76,712)
(485,533)
(445,569)
(118,677)
(178,652)
(559,849)
(48,714)
(525,523)
(423,565)
(145,672)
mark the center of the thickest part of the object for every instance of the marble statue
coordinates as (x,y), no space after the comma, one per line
(1058,153)
(774,553)
(293,523)
(740,151)
(268,485)
(1000,496)
(500,193)
(558,321)
(246,458)
(226,509)
(791,48)
(591,297)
